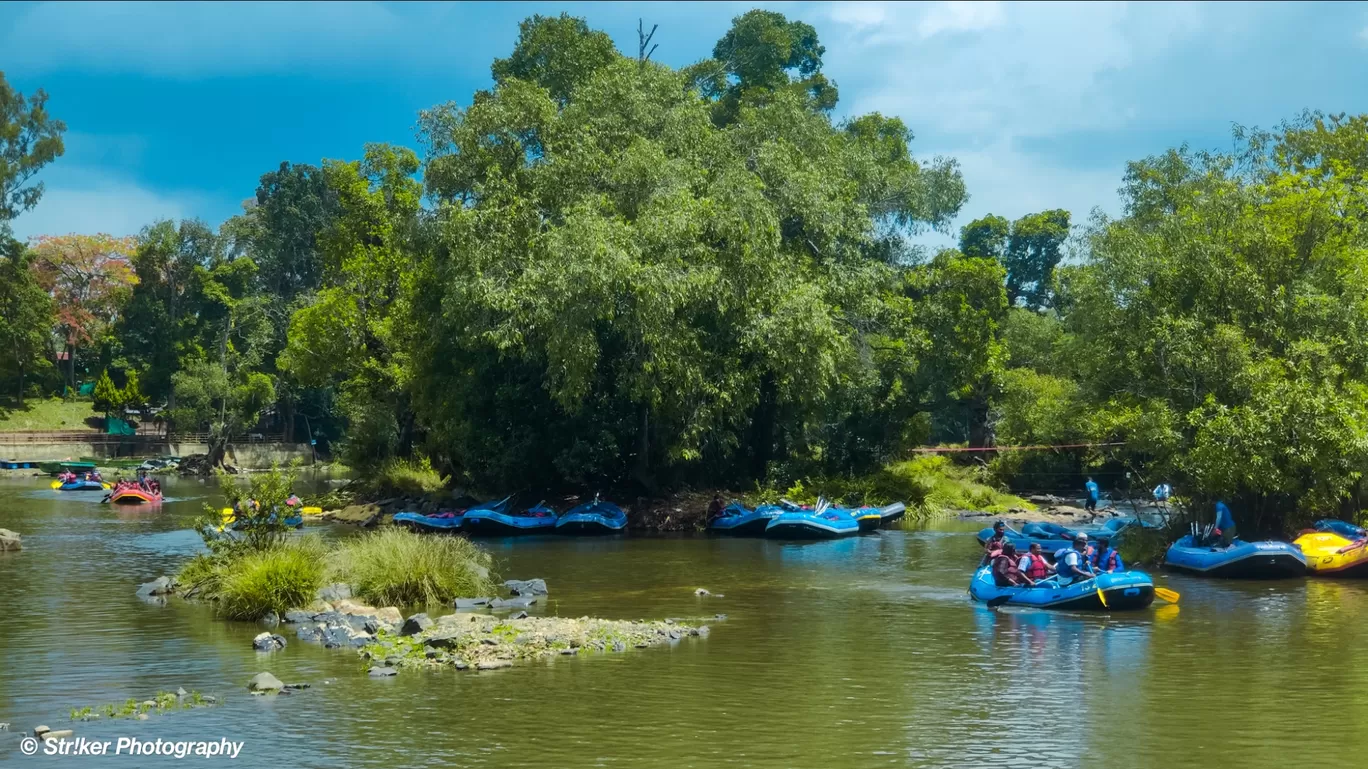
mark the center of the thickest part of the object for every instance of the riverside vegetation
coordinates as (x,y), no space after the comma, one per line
(629,275)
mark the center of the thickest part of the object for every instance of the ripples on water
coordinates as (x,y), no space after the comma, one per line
(861,652)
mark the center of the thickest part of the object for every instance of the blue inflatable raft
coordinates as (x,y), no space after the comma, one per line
(429,524)
(823,522)
(871,518)
(496,521)
(740,521)
(1242,560)
(82,486)
(1347,530)
(1123,591)
(597,517)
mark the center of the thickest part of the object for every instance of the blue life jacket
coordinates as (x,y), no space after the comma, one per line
(1062,567)
(1092,490)
(1108,558)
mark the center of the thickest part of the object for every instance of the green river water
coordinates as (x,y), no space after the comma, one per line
(854,653)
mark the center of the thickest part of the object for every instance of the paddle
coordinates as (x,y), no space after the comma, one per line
(1101,596)
(993,603)
(1166,594)
(56,484)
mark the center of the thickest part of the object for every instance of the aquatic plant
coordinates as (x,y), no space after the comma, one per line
(394,566)
(160,702)
(275,580)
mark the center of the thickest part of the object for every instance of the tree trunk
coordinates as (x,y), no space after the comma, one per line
(762,427)
(643,457)
(980,436)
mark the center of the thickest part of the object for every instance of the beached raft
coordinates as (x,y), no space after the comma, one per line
(597,517)
(1242,560)
(822,522)
(497,521)
(438,523)
(740,521)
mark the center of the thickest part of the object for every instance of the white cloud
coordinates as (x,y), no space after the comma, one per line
(959,16)
(90,203)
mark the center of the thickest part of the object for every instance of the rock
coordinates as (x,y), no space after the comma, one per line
(58,734)
(619,646)
(268,642)
(310,632)
(467,604)
(10,540)
(343,637)
(294,616)
(361,515)
(518,615)
(158,586)
(526,587)
(144,716)
(271,619)
(490,641)
(702,592)
(447,639)
(264,683)
(181,693)
(338,591)
(296,687)
(390,616)
(460,664)
(719,617)
(416,624)
(702,630)
(40,730)
(569,651)
(493,664)
(674,635)
(643,645)
(209,698)
(520,602)
(4,727)
(382,672)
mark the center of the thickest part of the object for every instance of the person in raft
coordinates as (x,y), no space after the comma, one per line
(1034,566)
(1106,560)
(1072,563)
(996,542)
(1225,525)
(715,508)
(1090,504)
(1005,570)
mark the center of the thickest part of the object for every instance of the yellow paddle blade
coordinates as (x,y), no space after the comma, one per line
(56,484)
(1166,612)
(106,486)
(1166,594)
(312,510)
(1101,596)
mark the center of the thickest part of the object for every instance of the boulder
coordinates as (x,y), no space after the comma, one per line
(58,734)
(361,515)
(702,591)
(619,646)
(40,730)
(294,616)
(470,604)
(493,664)
(268,642)
(390,616)
(518,602)
(526,587)
(158,586)
(415,624)
(9,540)
(518,615)
(271,619)
(311,631)
(446,639)
(382,672)
(264,683)
(336,637)
(337,591)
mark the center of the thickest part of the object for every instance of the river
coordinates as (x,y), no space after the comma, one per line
(854,653)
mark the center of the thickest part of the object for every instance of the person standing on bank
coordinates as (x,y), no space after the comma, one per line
(1090,504)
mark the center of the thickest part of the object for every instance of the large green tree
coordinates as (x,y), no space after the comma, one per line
(26,318)
(30,138)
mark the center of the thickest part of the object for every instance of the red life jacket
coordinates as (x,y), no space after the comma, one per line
(1038,569)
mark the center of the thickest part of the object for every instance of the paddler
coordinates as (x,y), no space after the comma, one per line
(1106,559)
(1005,571)
(1034,566)
(1072,563)
(995,542)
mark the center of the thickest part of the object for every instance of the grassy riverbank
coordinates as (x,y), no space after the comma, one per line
(46,414)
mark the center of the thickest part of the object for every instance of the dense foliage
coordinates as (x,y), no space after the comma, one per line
(603,271)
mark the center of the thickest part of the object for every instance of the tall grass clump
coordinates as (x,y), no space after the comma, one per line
(394,566)
(277,579)
(407,476)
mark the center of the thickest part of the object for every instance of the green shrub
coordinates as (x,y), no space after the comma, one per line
(394,566)
(284,577)
(200,575)
(408,476)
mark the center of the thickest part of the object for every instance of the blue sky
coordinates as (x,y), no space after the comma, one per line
(175,109)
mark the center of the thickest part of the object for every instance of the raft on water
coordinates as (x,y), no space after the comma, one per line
(134,495)
(1242,560)
(439,523)
(822,522)
(495,521)
(1122,590)
(82,486)
(1335,549)
(597,517)
(871,518)
(740,521)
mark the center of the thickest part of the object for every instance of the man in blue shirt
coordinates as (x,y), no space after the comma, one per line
(1091,504)
(1106,560)
(1225,525)
(1072,564)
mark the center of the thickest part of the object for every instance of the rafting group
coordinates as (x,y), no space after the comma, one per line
(1031,568)
(244,511)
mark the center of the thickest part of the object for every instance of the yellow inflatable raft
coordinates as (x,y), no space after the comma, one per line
(1330,555)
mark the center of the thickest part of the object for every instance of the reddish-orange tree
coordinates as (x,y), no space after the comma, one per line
(89,278)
